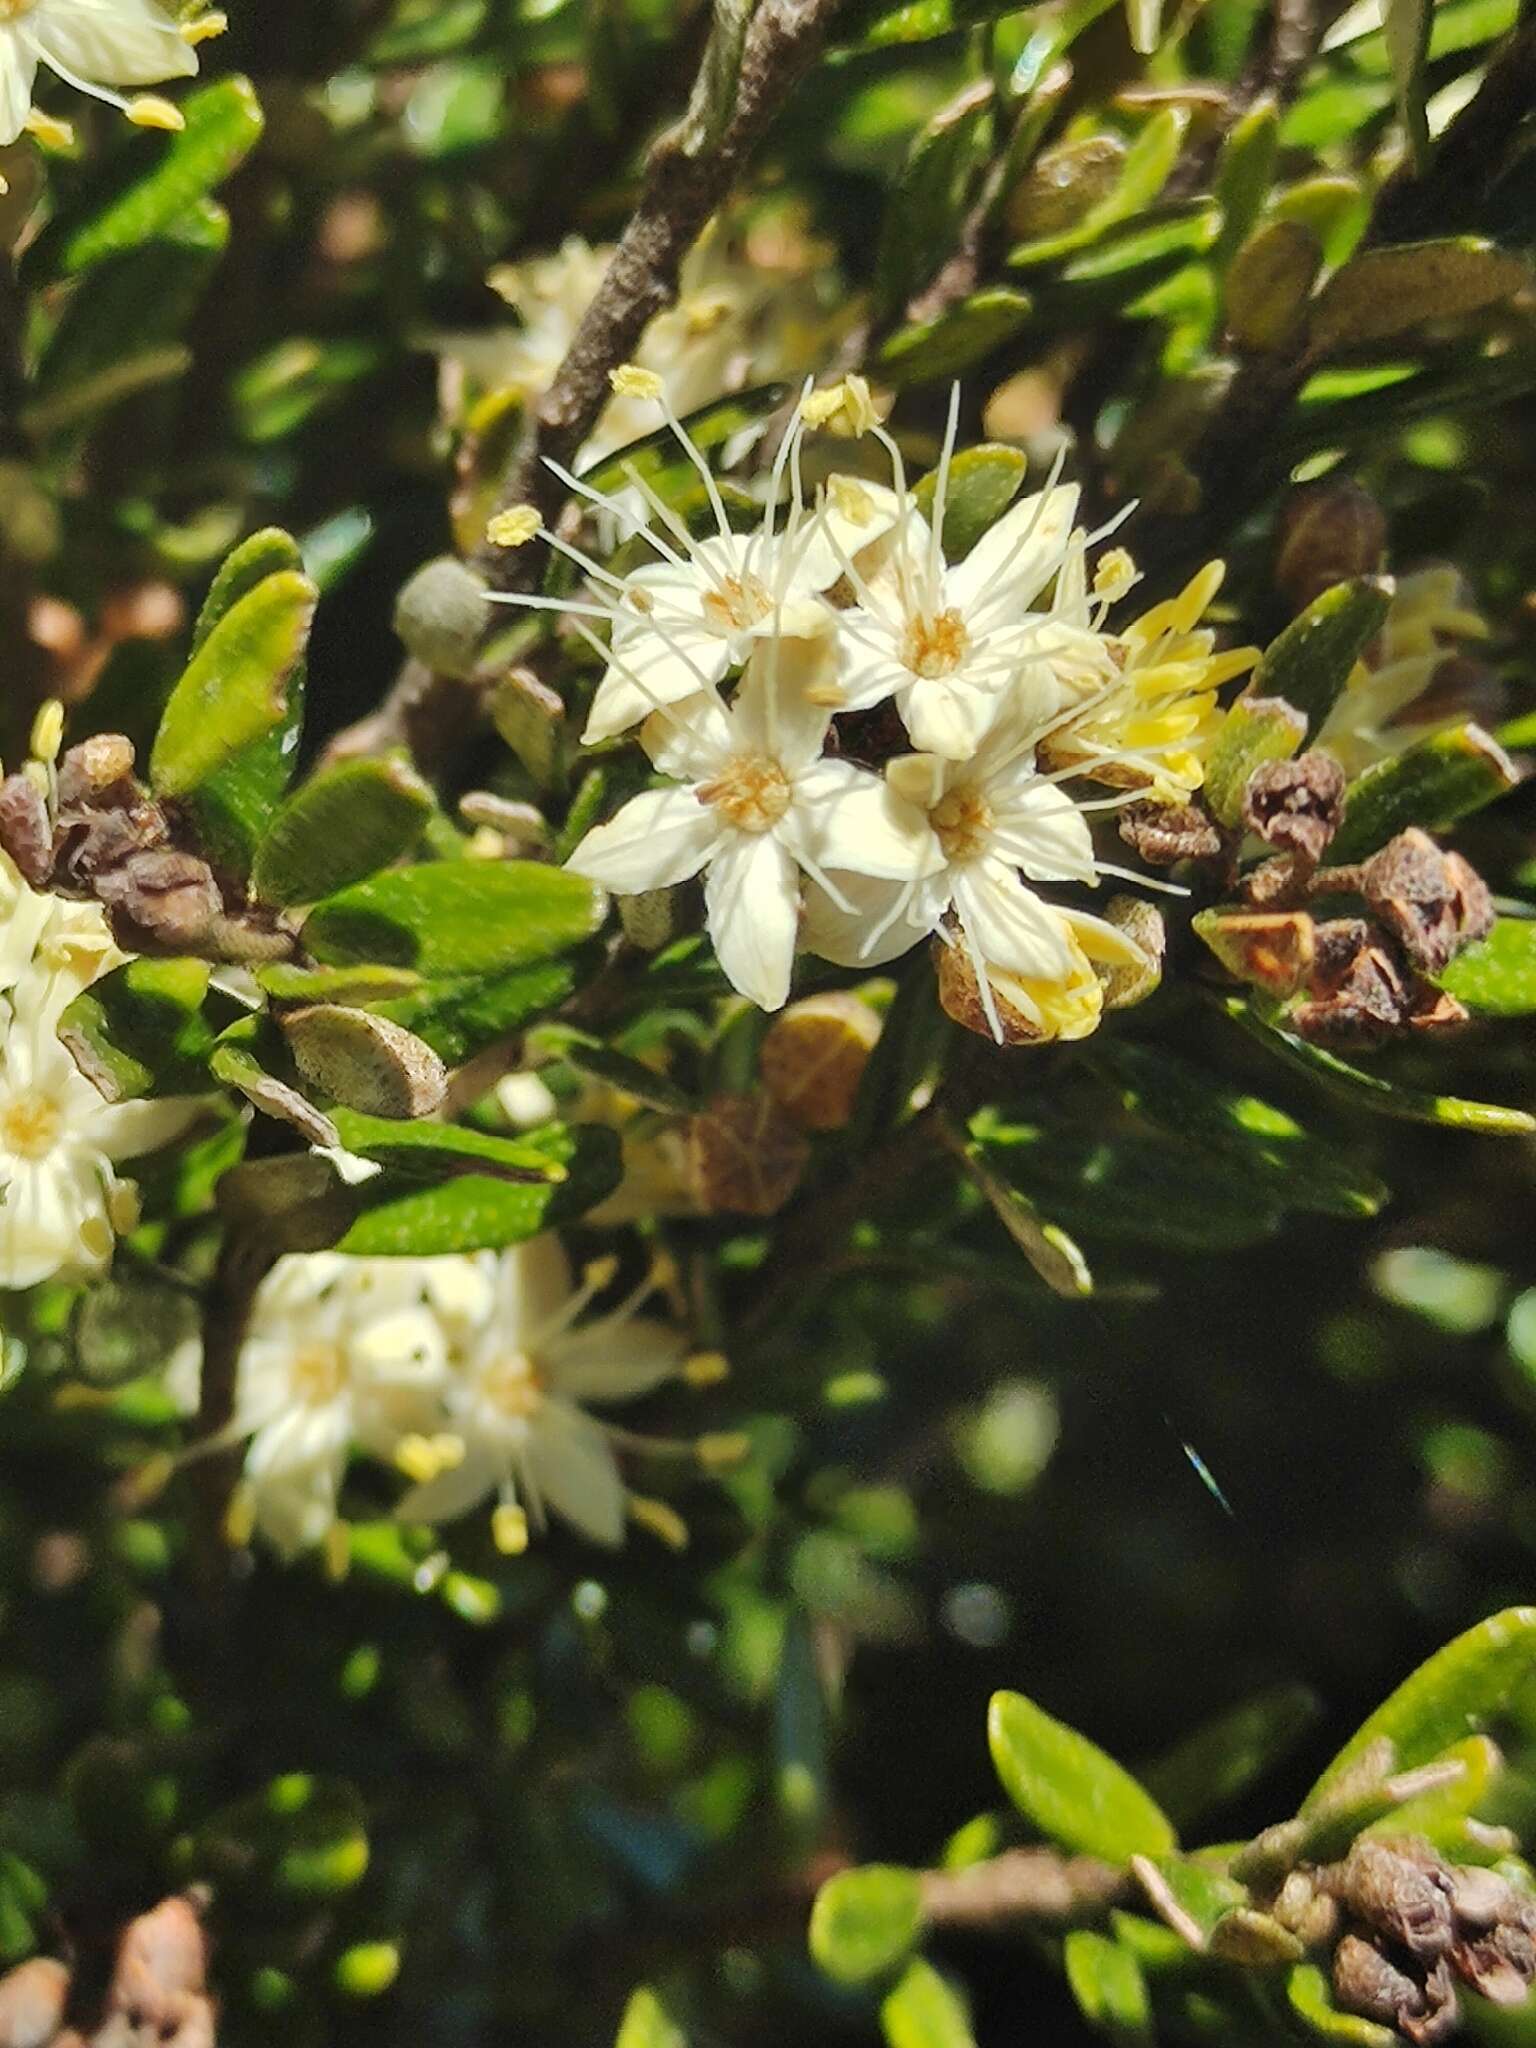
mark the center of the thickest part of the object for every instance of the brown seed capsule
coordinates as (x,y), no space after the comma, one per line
(1408,1898)
(1433,902)
(1365,1982)
(96,767)
(1296,805)
(1362,991)
(1499,1965)
(1143,925)
(163,902)
(1329,531)
(1269,949)
(32,2000)
(26,830)
(745,1156)
(813,1058)
(1165,833)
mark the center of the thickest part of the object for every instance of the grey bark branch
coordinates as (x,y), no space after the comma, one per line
(1022,1888)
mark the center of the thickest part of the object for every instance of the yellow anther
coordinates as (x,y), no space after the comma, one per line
(240,1517)
(601,1273)
(827,696)
(204,27)
(630,381)
(662,1522)
(1114,575)
(49,131)
(150,111)
(37,775)
(48,731)
(509,1530)
(450,1451)
(845,408)
(418,1460)
(513,528)
(485,844)
(706,311)
(147,1483)
(124,1207)
(706,1368)
(337,1552)
(96,1238)
(719,1452)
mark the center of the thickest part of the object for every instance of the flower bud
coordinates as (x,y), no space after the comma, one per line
(1142,923)
(745,1156)
(649,919)
(813,1058)
(441,615)
(32,1998)
(1330,531)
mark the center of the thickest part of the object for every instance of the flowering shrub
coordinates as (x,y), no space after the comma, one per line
(766,937)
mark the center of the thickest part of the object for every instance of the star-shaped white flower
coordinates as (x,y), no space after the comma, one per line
(516,1402)
(753,803)
(96,46)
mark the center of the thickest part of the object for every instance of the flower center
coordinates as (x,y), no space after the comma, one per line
(318,1374)
(515,1385)
(936,646)
(29,1125)
(962,822)
(10,9)
(752,792)
(736,602)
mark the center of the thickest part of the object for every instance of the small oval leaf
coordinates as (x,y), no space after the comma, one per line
(1069,1788)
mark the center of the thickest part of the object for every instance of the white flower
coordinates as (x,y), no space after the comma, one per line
(1366,722)
(978,823)
(950,642)
(95,46)
(342,1353)
(61,1204)
(754,803)
(517,1402)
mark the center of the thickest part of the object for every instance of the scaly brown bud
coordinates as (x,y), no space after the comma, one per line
(1329,531)
(162,902)
(814,1055)
(745,1156)
(1365,1982)
(1296,805)
(1433,902)
(1165,833)
(1405,1897)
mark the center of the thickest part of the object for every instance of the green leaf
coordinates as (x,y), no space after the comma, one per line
(865,1922)
(1497,976)
(223,124)
(924,2011)
(1069,1788)
(1310,1998)
(1433,783)
(23,1896)
(1256,729)
(1333,210)
(1209,1769)
(633,1077)
(142,1029)
(924,214)
(1384,292)
(266,553)
(983,483)
(1369,1091)
(1146,169)
(286,983)
(475,1212)
(341,826)
(1310,662)
(435,1151)
(234,693)
(956,340)
(1245,171)
(1268,286)
(303,1837)
(128,1326)
(646,2024)
(1479,1681)
(1048,1248)
(460,1016)
(1303,1171)
(457,917)
(1407,30)
(1107,1982)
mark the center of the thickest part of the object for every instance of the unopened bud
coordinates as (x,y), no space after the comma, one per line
(365,1062)
(649,919)
(32,2001)
(441,615)
(814,1055)
(1330,531)
(745,1156)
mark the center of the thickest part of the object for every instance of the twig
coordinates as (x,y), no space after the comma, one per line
(1470,155)
(1021,1888)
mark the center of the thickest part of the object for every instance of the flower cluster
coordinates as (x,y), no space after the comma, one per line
(61,1202)
(865,743)
(468,1374)
(97,46)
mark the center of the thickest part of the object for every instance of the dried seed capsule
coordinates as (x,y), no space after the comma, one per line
(813,1058)
(1296,805)
(745,1156)
(1433,902)
(1329,532)
(1165,833)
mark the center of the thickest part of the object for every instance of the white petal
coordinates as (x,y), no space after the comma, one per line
(18,74)
(751,900)
(654,670)
(847,818)
(773,712)
(842,936)
(607,1362)
(868,670)
(1042,831)
(533,1285)
(945,715)
(573,1470)
(125,42)
(692,741)
(1008,923)
(1020,554)
(453,1493)
(660,837)
(127,1130)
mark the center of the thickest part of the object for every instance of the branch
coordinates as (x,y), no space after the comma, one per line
(1022,1887)
(1470,155)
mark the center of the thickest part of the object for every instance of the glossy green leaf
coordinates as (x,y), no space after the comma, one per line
(1497,976)
(865,1922)
(1211,1767)
(478,1211)
(1440,1815)
(1255,730)
(1107,1982)
(459,1016)
(983,483)
(1309,664)
(923,2010)
(142,1029)
(1471,1686)
(1333,210)
(223,125)
(234,694)
(1386,292)
(1268,287)
(457,917)
(933,192)
(631,1076)
(956,340)
(647,2024)
(1311,2000)
(1069,1788)
(286,982)
(266,553)
(1369,1091)
(437,1151)
(1048,1248)
(1433,783)
(1145,170)
(341,826)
